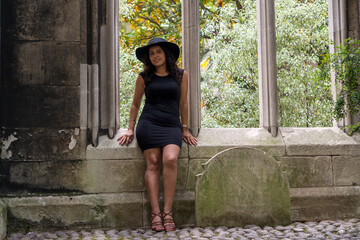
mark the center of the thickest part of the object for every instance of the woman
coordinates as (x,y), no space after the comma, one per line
(159,131)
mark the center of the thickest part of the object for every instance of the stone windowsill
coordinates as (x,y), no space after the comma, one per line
(289,142)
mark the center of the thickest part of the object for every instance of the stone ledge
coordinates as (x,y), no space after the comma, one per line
(289,142)
(318,142)
(313,204)
(110,149)
(211,141)
(105,211)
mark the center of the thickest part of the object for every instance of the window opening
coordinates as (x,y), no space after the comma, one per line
(229,68)
(304,86)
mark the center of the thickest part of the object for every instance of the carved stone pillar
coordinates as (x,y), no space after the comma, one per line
(191,59)
(267,65)
(100,78)
(337,34)
(109,62)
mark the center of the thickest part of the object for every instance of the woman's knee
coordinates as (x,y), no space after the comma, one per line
(170,160)
(153,161)
(153,164)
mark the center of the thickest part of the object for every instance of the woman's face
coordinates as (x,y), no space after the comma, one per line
(157,56)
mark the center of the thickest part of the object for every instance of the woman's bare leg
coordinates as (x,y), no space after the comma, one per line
(170,156)
(152,178)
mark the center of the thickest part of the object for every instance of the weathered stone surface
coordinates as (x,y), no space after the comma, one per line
(96,211)
(27,144)
(108,148)
(183,208)
(41,63)
(318,142)
(104,176)
(182,173)
(45,176)
(312,204)
(213,140)
(242,186)
(108,176)
(308,171)
(42,19)
(353,18)
(195,167)
(346,170)
(48,107)
(3,219)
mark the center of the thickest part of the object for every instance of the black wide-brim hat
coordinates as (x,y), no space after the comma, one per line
(173,48)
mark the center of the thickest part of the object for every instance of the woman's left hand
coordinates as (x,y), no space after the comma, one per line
(188,138)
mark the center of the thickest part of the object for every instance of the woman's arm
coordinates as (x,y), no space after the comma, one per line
(134,110)
(184,107)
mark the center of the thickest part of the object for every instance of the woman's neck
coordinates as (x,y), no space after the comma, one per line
(161,71)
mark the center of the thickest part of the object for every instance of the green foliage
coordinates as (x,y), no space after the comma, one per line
(346,64)
(302,41)
(229,68)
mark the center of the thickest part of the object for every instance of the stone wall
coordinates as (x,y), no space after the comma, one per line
(42,46)
(48,179)
(322,166)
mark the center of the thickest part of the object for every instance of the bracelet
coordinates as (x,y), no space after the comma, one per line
(132,120)
(185,126)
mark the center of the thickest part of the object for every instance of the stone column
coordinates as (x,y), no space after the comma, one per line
(337,34)
(267,65)
(102,75)
(191,59)
(109,81)
(93,73)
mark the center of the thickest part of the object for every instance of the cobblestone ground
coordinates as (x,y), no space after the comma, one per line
(342,229)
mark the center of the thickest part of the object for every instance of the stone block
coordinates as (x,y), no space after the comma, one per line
(48,107)
(45,213)
(213,140)
(315,204)
(182,173)
(3,220)
(106,176)
(44,176)
(28,144)
(183,208)
(195,167)
(242,186)
(308,171)
(41,63)
(318,142)
(108,148)
(346,170)
(109,176)
(42,20)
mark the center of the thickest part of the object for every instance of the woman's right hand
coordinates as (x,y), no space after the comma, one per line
(126,138)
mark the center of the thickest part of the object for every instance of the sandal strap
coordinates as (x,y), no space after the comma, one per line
(167,214)
(154,215)
(168,220)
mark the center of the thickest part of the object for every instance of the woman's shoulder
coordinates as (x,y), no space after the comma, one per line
(142,74)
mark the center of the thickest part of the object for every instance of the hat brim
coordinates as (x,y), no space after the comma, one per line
(173,48)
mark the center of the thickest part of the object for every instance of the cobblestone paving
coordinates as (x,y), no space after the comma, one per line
(342,229)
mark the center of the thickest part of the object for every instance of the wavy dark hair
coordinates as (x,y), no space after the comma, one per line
(171,66)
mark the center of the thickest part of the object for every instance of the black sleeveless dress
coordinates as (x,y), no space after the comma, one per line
(159,123)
